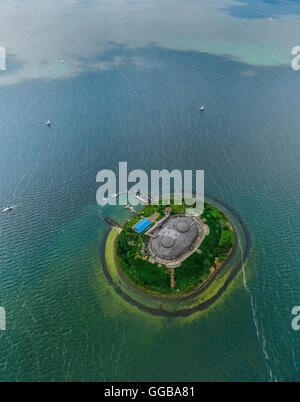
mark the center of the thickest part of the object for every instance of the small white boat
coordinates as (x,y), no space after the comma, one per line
(201,108)
(7,209)
(62,61)
(48,123)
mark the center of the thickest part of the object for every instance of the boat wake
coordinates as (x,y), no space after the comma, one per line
(260,333)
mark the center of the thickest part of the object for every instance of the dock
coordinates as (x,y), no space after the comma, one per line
(142,197)
(131,209)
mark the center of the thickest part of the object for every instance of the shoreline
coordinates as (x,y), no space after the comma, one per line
(201,306)
(195,292)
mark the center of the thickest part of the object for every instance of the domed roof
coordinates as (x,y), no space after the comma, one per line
(167,241)
(182,226)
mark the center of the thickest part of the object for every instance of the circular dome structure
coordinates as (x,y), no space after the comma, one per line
(167,241)
(183,226)
(173,238)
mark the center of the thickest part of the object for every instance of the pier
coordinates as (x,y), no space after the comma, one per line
(131,209)
(142,197)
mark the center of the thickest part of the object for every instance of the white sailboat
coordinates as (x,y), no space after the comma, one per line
(7,209)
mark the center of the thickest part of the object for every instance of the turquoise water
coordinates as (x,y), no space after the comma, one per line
(63,320)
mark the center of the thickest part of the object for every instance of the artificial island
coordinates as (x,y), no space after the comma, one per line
(163,252)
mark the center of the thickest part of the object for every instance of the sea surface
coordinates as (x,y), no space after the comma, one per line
(133,76)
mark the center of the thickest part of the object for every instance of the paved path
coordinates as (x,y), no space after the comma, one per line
(172,278)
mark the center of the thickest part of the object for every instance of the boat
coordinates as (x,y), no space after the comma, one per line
(7,209)
(142,198)
(201,108)
(48,123)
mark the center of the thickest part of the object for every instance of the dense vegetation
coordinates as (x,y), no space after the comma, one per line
(193,271)
(214,248)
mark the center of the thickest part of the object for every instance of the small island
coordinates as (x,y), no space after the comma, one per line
(163,252)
